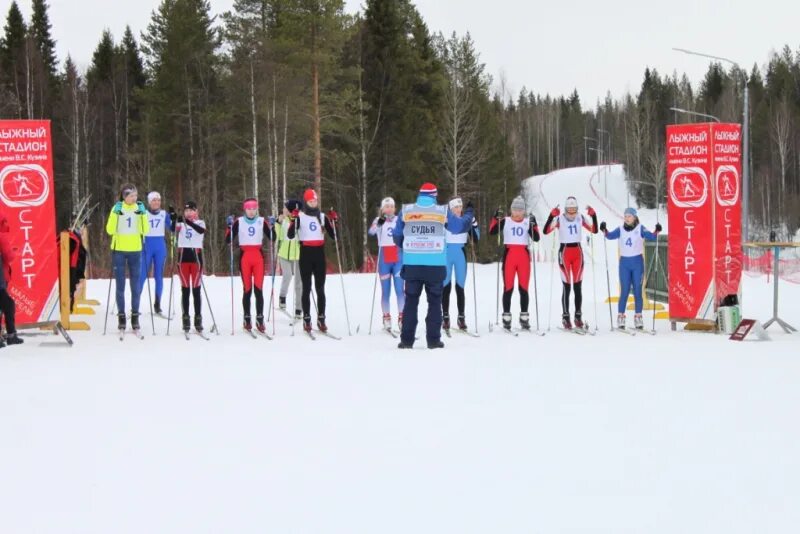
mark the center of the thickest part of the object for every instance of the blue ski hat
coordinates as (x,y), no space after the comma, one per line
(631,211)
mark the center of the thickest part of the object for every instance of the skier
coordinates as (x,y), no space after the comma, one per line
(456,238)
(570,255)
(288,256)
(390,262)
(420,233)
(517,231)
(127,225)
(155,247)
(307,225)
(7,304)
(191,232)
(250,231)
(631,237)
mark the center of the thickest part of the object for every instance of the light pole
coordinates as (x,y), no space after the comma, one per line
(745,141)
(608,139)
(695,113)
(599,158)
(585,152)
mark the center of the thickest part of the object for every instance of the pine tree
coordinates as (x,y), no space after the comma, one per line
(40,30)
(12,64)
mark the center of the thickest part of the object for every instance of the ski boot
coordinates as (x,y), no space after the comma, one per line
(565,322)
(387,321)
(260,326)
(248,323)
(579,322)
(198,323)
(157,307)
(461,323)
(135,322)
(298,314)
(282,303)
(13,339)
(638,321)
(123,323)
(307,323)
(524,321)
(439,344)
(403,345)
(186,320)
(2,342)
(446,322)
(621,321)
(507,321)
(321,326)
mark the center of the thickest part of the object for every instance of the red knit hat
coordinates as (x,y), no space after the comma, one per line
(428,189)
(309,195)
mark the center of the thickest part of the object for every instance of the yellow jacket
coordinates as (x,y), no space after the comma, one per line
(128,229)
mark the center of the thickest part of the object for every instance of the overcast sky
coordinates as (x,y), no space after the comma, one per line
(550,47)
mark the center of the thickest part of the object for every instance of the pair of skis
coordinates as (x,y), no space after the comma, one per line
(258,333)
(313,336)
(517,331)
(634,331)
(137,333)
(448,332)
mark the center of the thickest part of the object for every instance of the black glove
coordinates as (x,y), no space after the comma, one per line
(381,220)
(172,214)
(179,219)
(658,227)
(498,214)
(603,226)
(533,220)
(469,205)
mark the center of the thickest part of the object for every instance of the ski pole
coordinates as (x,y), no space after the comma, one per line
(535,286)
(594,281)
(214,329)
(341,275)
(608,286)
(655,276)
(150,298)
(108,297)
(474,286)
(147,281)
(553,261)
(273,257)
(499,260)
(174,262)
(374,289)
(233,307)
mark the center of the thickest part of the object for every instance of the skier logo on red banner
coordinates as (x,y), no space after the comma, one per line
(23,186)
(688,187)
(727,182)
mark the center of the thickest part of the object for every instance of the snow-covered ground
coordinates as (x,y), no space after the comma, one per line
(679,432)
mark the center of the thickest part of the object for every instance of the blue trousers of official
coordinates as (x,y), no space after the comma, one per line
(133,261)
(417,278)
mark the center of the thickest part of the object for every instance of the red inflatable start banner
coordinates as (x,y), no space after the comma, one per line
(704,212)
(28,201)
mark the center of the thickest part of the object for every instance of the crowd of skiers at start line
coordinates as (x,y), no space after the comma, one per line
(421,246)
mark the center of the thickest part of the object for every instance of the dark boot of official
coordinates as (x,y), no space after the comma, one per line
(13,339)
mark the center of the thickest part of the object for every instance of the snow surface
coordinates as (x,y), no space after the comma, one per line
(681,432)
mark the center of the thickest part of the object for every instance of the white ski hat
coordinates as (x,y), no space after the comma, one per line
(456,203)
(153,195)
(387,202)
(518,203)
(571,202)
